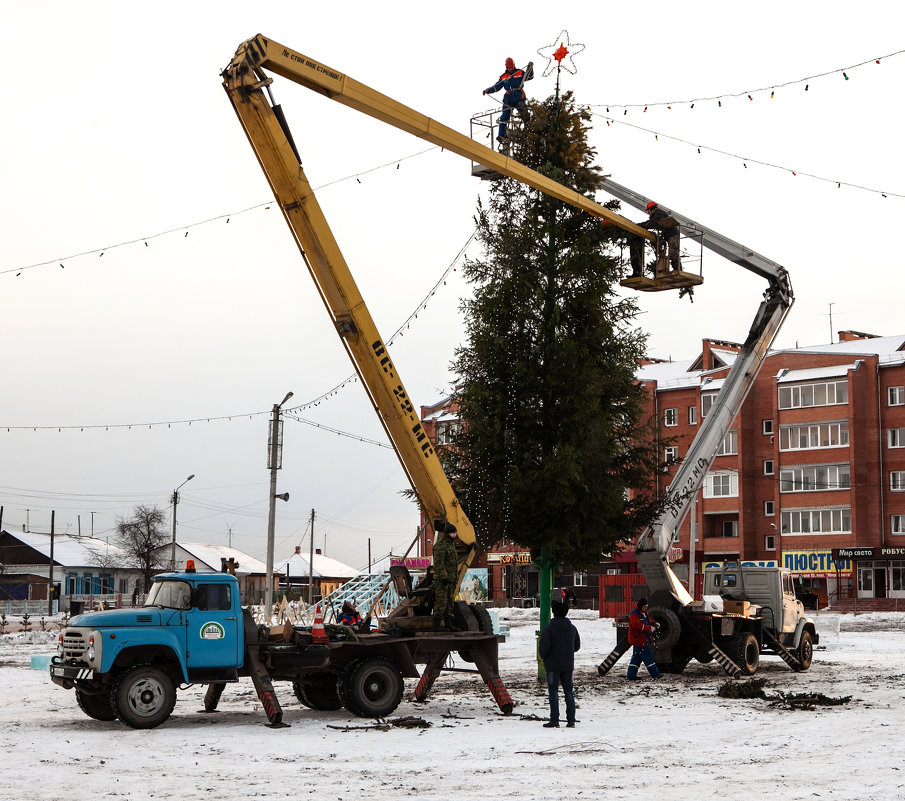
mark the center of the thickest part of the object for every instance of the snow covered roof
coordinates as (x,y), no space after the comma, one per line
(879,346)
(833,371)
(728,357)
(211,555)
(296,566)
(73,551)
(669,375)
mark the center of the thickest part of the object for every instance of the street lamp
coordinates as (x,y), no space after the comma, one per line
(274,459)
(175,501)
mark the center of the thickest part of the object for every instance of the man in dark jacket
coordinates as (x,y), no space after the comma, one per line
(640,637)
(446,572)
(669,231)
(558,645)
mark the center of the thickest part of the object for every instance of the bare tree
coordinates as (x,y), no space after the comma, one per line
(142,537)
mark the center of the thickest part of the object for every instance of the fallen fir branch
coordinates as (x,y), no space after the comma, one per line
(408,722)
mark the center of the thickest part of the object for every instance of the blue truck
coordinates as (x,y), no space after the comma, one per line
(126,664)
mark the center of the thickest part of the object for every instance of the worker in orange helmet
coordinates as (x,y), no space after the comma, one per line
(512,80)
(658,219)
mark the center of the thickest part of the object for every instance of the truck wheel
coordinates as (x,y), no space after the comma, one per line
(747,653)
(371,688)
(318,695)
(95,706)
(676,667)
(670,626)
(485,626)
(805,650)
(144,696)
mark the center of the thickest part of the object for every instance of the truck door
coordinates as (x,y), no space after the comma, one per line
(212,631)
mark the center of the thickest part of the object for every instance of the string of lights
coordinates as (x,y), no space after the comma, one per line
(750,93)
(745,160)
(337,431)
(186,228)
(406,325)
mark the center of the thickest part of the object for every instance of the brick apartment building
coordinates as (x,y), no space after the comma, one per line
(811,475)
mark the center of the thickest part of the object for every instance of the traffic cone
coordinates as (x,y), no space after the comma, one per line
(318,632)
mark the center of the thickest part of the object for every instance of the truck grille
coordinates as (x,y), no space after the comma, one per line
(75,643)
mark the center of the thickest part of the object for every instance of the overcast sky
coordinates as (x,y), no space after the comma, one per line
(116,130)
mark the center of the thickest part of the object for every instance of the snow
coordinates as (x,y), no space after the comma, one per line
(672,739)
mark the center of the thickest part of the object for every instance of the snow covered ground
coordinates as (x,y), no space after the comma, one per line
(673,739)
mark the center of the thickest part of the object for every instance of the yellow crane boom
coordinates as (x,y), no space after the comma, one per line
(247,84)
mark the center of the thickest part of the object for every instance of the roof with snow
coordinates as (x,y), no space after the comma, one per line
(296,566)
(211,555)
(833,371)
(878,346)
(73,551)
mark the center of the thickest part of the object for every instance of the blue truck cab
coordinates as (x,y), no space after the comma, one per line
(127,663)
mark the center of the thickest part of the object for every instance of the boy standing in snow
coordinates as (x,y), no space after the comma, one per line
(558,645)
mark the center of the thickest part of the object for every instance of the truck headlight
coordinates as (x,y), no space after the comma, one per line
(60,646)
(89,651)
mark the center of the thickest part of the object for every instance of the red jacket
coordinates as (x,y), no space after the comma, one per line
(639,628)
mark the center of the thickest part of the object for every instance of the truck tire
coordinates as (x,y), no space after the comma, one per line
(747,653)
(485,626)
(95,706)
(320,694)
(371,688)
(670,626)
(144,696)
(676,667)
(805,652)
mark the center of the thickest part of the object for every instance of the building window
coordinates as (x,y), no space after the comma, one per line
(897,437)
(815,478)
(692,415)
(768,467)
(766,427)
(447,432)
(580,579)
(671,454)
(898,575)
(897,524)
(817,521)
(769,508)
(730,528)
(818,435)
(896,396)
(729,445)
(824,393)
(706,403)
(770,542)
(670,417)
(897,481)
(721,485)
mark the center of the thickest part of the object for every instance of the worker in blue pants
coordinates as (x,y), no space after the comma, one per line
(640,637)
(512,80)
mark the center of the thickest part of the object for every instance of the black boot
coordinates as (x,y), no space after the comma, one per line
(436,623)
(449,623)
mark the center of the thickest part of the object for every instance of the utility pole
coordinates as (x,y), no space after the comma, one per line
(311,564)
(274,463)
(50,572)
(175,502)
(831,322)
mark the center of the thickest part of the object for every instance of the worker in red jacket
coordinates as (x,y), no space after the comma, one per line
(640,637)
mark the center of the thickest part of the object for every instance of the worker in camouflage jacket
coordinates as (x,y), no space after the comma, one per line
(446,572)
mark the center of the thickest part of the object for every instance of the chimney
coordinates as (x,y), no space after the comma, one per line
(298,549)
